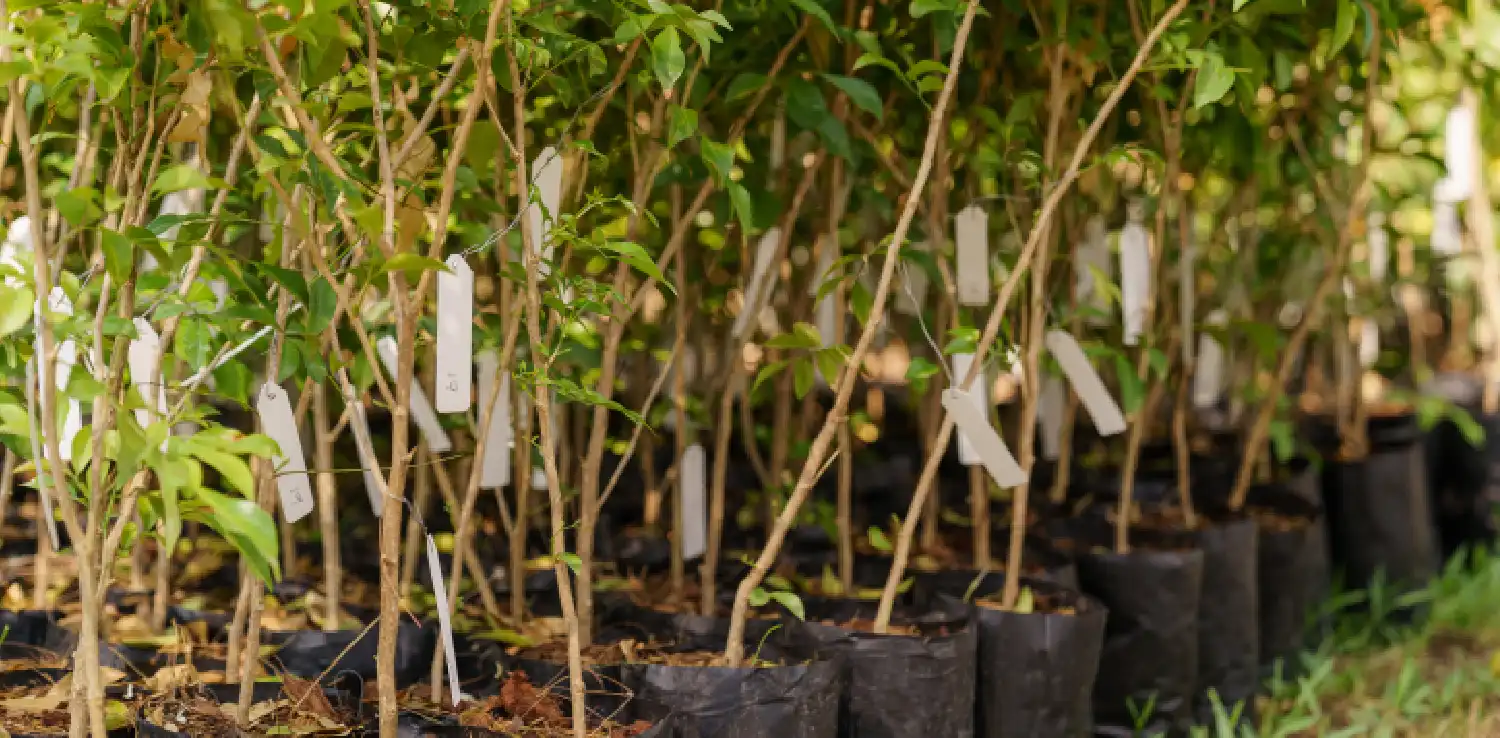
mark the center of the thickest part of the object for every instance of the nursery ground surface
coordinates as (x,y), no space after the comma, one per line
(1379,671)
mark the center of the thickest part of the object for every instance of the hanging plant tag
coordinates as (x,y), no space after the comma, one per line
(292,483)
(974,424)
(546,177)
(445,625)
(145,372)
(455,336)
(694,507)
(913,290)
(765,253)
(1096,401)
(1091,263)
(1458,155)
(67,357)
(1050,407)
(968,455)
(494,472)
(1208,376)
(1135,278)
(1447,234)
(421,410)
(972,260)
(1380,246)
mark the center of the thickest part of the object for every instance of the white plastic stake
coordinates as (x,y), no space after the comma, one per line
(968,455)
(1458,154)
(1049,409)
(972,258)
(275,412)
(694,511)
(1369,342)
(1096,401)
(1093,257)
(421,410)
(546,175)
(765,253)
(1187,292)
(1447,234)
(1380,246)
(374,484)
(494,472)
(1208,377)
(67,358)
(145,372)
(455,337)
(1135,275)
(974,424)
(17,240)
(445,626)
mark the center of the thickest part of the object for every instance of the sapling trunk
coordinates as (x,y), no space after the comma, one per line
(813,466)
(328,520)
(1482,225)
(678,570)
(1260,429)
(421,499)
(708,572)
(992,326)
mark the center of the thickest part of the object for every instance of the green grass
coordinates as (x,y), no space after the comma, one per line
(1378,675)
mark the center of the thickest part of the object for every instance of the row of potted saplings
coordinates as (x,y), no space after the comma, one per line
(1153,638)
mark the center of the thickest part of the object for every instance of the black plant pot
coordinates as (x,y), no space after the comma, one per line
(1378,511)
(1228,627)
(1464,481)
(1150,653)
(1292,571)
(897,686)
(1036,670)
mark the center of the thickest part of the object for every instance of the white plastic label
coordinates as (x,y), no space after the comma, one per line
(694,510)
(494,470)
(292,483)
(974,423)
(972,258)
(1093,262)
(67,358)
(1447,234)
(421,409)
(1096,401)
(765,253)
(1369,342)
(1458,153)
(968,455)
(914,282)
(1380,246)
(374,484)
(1135,279)
(1187,295)
(1208,375)
(1050,407)
(445,626)
(145,372)
(455,337)
(546,176)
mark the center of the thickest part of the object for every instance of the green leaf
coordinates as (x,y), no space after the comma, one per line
(921,8)
(795,340)
(811,7)
(1026,602)
(194,342)
(249,528)
(802,377)
(634,255)
(791,602)
(572,560)
(79,206)
(1343,28)
(878,540)
(765,373)
(321,306)
(412,264)
(920,368)
(1238,4)
(179,177)
(719,158)
(684,123)
(233,469)
(744,206)
(1214,80)
(759,597)
(667,59)
(860,92)
(1471,431)
(744,84)
(119,255)
(830,362)
(16,304)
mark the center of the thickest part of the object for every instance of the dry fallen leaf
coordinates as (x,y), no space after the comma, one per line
(172,677)
(50,700)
